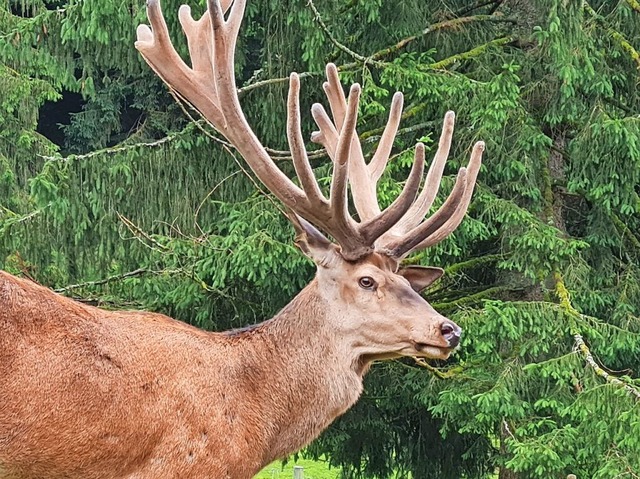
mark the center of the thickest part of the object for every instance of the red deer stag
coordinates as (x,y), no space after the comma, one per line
(88,394)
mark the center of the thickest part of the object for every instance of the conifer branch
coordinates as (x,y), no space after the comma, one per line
(634,4)
(442,374)
(495,6)
(146,239)
(507,429)
(474,52)
(565,303)
(274,81)
(586,353)
(340,46)
(614,34)
(450,24)
(141,235)
(369,136)
(15,218)
(618,104)
(375,58)
(475,262)
(472,298)
(475,6)
(110,279)
(116,149)
(227,146)
(624,230)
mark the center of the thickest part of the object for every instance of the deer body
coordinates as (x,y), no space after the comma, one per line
(185,402)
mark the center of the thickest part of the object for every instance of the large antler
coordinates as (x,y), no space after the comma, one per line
(410,233)
(209,85)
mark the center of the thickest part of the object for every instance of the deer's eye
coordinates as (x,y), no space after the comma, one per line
(367,282)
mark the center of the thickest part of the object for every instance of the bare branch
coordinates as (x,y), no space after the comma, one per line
(110,279)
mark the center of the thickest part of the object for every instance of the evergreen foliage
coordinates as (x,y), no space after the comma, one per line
(111,193)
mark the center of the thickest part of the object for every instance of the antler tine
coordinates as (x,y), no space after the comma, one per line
(343,153)
(225,36)
(327,136)
(401,247)
(378,225)
(364,194)
(381,156)
(209,85)
(155,46)
(456,218)
(432,183)
(366,233)
(198,40)
(296,143)
(362,177)
(333,89)
(447,218)
(332,215)
(336,219)
(349,165)
(234,21)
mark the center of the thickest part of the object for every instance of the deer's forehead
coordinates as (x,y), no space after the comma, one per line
(375,260)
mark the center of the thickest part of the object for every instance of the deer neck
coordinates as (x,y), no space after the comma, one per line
(304,376)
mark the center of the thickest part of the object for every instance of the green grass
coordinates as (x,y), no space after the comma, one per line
(312,470)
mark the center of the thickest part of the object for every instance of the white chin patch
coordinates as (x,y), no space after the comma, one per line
(432,352)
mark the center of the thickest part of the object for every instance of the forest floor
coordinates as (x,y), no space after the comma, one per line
(312,470)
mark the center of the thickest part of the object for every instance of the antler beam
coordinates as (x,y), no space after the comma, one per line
(409,233)
(209,85)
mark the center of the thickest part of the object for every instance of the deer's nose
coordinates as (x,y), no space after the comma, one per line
(451,332)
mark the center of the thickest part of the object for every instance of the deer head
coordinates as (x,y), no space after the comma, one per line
(372,296)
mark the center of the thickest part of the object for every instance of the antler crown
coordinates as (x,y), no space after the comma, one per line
(209,85)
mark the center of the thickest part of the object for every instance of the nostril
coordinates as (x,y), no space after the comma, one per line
(451,333)
(446,329)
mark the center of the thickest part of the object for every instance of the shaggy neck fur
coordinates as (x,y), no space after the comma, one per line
(141,395)
(313,376)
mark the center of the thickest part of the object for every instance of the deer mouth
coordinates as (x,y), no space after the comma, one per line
(432,351)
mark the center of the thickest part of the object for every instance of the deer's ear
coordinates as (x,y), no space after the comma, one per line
(421,277)
(312,242)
